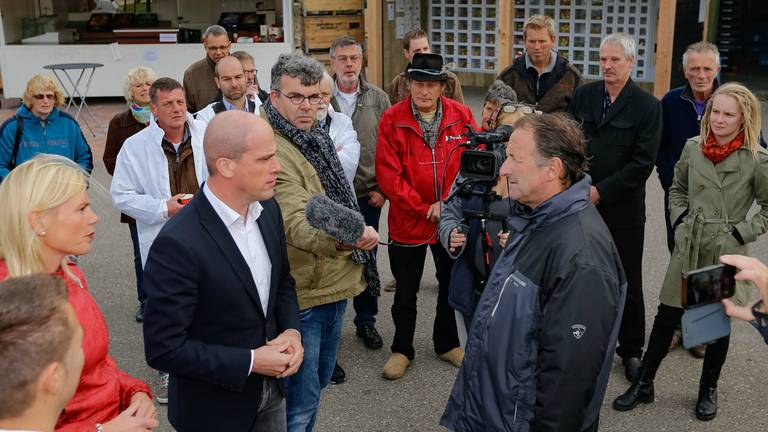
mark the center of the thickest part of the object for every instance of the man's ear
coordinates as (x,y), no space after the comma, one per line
(51,379)
(555,169)
(225,167)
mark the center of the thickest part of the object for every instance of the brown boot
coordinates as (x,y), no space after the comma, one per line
(395,366)
(454,356)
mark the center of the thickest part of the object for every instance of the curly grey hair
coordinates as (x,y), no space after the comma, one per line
(499,92)
(296,65)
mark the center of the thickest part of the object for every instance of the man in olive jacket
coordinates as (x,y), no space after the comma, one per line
(327,272)
(364,103)
(622,124)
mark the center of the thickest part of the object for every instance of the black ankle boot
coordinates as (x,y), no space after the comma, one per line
(640,391)
(706,405)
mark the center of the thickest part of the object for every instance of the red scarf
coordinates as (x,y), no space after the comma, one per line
(717,152)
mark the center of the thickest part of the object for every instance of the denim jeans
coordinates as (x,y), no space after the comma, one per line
(137,262)
(367,305)
(320,335)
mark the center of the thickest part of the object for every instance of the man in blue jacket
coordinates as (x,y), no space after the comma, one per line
(682,109)
(541,343)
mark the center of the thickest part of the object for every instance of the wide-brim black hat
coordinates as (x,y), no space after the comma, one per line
(426,67)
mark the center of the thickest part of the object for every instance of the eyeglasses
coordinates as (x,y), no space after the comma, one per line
(45,96)
(297,99)
(343,59)
(217,48)
(522,108)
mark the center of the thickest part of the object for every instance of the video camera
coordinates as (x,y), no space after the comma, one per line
(482,165)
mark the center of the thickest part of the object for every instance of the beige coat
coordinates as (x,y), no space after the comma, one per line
(323,274)
(711,201)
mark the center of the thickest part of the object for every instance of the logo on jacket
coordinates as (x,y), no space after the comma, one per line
(578,330)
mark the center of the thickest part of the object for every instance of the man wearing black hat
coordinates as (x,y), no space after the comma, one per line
(417,160)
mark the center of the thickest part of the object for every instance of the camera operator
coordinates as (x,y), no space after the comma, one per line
(753,270)
(473,222)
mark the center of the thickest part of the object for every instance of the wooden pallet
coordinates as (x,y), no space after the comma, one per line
(331,7)
(320,32)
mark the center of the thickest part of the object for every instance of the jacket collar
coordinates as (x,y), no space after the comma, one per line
(567,202)
(687,92)
(27,114)
(624,97)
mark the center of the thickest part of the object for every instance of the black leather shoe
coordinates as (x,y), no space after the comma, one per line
(371,338)
(140,313)
(631,368)
(338,376)
(706,406)
(640,391)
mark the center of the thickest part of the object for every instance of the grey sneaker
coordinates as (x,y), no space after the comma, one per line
(162,392)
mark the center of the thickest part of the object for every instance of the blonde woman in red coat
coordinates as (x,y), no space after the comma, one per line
(45,217)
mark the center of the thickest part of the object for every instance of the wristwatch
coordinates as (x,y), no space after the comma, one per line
(760,317)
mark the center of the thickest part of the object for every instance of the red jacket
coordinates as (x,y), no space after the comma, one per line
(411,174)
(104,390)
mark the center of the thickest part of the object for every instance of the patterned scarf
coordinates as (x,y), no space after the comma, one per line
(716,152)
(141,113)
(318,149)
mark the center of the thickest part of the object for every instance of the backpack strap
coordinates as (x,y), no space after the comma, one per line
(16,141)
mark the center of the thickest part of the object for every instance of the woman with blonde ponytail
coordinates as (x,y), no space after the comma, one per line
(45,217)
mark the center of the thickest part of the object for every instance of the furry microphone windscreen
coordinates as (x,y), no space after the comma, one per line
(334,219)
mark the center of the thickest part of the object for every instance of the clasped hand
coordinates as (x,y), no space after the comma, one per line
(281,357)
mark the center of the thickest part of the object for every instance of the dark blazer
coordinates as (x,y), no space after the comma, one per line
(622,148)
(203,316)
(122,126)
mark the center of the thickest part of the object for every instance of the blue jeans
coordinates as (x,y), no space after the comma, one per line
(367,305)
(137,262)
(320,335)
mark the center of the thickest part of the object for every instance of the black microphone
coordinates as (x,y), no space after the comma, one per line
(334,219)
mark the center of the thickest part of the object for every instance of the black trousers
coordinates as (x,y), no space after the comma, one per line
(667,318)
(629,244)
(407,265)
(670,231)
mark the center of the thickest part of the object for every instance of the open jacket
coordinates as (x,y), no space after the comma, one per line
(540,347)
(104,390)
(414,175)
(555,87)
(323,274)
(707,202)
(141,182)
(58,134)
(122,126)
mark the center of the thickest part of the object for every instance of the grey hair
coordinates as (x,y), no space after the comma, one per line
(345,41)
(626,41)
(498,92)
(701,47)
(215,30)
(558,135)
(296,65)
(327,78)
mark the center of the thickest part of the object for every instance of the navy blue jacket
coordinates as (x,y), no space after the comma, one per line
(203,316)
(58,134)
(540,347)
(680,123)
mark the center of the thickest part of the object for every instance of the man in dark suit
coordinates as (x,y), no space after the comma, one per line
(623,125)
(221,314)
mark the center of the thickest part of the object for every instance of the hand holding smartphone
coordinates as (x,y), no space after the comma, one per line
(708,285)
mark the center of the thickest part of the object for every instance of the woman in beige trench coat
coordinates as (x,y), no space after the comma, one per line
(721,173)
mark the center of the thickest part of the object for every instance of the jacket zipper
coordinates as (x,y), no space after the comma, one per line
(514,418)
(501,293)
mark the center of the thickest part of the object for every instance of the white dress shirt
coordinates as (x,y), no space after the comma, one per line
(250,243)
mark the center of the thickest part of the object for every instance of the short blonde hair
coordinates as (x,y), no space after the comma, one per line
(40,184)
(539,22)
(137,75)
(750,114)
(39,84)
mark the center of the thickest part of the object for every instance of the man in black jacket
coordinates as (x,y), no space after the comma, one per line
(623,125)
(541,76)
(540,348)
(222,316)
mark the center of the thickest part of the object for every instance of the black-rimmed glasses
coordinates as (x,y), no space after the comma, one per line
(297,99)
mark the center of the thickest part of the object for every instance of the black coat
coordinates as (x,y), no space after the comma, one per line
(203,316)
(622,148)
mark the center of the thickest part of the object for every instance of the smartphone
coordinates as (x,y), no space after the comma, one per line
(708,285)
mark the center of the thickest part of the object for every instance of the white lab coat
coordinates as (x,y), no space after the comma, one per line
(141,183)
(344,138)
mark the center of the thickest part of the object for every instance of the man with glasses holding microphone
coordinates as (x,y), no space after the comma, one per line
(328,271)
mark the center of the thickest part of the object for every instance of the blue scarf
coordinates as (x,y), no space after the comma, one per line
(141,113)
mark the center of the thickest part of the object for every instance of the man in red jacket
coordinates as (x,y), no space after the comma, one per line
(417,159)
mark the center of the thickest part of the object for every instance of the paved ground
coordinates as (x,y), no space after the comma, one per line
(415,403)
